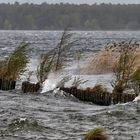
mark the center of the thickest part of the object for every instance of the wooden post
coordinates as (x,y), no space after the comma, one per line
(100,98)
(0,83)
(30,87)
(7,84)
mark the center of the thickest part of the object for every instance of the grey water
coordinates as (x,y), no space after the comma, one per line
(54,115)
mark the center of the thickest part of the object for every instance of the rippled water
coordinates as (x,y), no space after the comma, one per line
(56,116)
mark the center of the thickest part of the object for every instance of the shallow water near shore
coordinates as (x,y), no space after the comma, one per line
(56,115)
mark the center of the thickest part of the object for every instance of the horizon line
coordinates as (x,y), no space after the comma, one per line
(70,3)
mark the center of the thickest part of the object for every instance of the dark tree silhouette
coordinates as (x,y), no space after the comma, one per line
(57,16)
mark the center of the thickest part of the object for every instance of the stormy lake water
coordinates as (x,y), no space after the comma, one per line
(54,115)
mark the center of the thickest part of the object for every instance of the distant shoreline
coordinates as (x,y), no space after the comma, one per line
(59,30)
(83,17)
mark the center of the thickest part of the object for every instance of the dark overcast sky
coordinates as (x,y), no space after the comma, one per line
(74,1)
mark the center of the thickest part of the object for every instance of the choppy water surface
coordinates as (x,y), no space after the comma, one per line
(54,115)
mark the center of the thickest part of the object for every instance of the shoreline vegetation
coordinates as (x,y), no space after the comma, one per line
(78,17)
(125,66)
(12,67)
(120,58)
(96,134)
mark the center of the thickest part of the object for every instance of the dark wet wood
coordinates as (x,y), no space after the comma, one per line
(89,96)
(7,84)
(122,98)
(30,87)
(102,98)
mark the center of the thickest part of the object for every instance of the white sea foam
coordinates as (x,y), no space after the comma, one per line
(52,82)
(137,99)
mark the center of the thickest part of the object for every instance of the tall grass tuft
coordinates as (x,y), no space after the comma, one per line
(55,59)
(96,134)
(45,66)
(15,65)
(123,68)
(62,49)
(135,81)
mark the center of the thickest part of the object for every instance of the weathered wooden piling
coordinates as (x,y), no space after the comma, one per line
(0,83)
(100,98)
(122,98)
(7,84)
(89,96)
(30,87)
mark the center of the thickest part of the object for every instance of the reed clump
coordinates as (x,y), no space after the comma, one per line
(104,61)
(52,61)
(96,134)
(45,66)
(55,59)
(135,81)
(123,69)
(15,65)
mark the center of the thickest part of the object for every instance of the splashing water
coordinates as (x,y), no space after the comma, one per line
(56,80)
(53,81)
(55,117)
(137,99)
(50,83)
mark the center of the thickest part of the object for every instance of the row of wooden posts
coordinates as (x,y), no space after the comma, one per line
(100,98)
(26,86)
(30,87)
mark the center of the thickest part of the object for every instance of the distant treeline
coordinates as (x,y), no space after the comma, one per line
(80,17)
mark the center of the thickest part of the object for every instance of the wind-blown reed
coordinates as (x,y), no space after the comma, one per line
(15,65)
